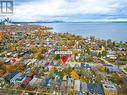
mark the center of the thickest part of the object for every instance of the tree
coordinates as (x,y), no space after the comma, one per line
(99,55)
(57,57)
(42,50)
(1,48)
(74,75)
(104,53)
(116,78)
(11,47)
(34,49)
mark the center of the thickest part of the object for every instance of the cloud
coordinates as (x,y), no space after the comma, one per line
(37,10)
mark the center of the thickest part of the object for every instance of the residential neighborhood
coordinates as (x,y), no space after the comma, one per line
(36,61)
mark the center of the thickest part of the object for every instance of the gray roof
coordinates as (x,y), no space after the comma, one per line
(125,81)
(84,87)
(95,88)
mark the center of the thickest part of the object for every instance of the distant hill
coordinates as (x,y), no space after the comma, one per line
(39,22)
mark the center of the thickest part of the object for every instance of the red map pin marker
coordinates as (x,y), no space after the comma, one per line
(64,59)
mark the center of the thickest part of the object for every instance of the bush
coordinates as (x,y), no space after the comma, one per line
(125,69)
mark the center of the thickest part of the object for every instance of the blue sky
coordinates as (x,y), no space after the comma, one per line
(70,10)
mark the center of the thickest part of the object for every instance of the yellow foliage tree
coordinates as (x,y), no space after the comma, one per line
(19,43)
(9,68)
(34,49)
(74,75)
(11,47)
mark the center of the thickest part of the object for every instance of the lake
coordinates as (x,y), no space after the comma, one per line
(116,31)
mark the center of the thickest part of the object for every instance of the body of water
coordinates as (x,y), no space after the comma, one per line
(114,31)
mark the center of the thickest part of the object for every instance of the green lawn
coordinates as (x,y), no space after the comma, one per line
(125,69)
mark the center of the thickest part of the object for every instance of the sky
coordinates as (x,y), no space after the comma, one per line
(69,10)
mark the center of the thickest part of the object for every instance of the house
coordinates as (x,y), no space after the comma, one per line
(63,86)
(27,71)
(125,81)
(74,64)
(95,88)
(77,85)
(13,60)
(13,80)
(20,78)
(0,55)
(46,81)
(21,54)
(86,65)
(70,82)
(65,77)
(93,53)
(84,88)
(10,76)
(112,68)
(71,64)
(111,56)
(110,89)
(77,65)
(27,79)
(6,61)
(47,63)
(15,55)
(9,54)
(35,81)
(52,63)
(121,61)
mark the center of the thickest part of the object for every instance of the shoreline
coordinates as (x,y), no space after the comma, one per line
(28,27)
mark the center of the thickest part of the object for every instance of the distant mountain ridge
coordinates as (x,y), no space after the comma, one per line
(7,21)
(41,22)
(71,22)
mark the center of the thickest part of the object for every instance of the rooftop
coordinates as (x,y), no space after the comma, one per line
(109,86)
